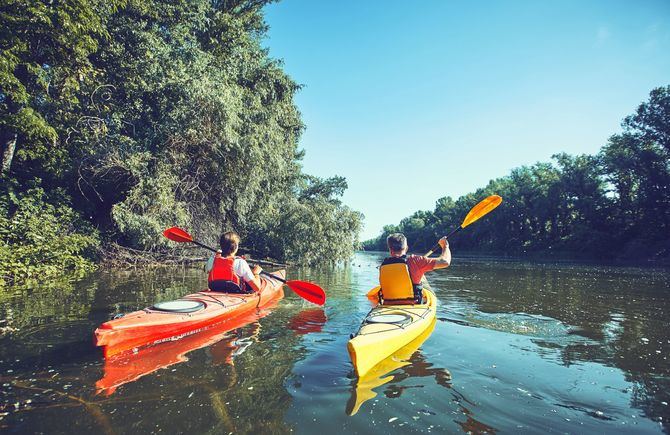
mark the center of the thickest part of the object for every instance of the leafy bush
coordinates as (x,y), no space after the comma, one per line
(40,240)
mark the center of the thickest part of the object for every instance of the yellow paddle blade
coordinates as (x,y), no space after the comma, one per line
(481,209)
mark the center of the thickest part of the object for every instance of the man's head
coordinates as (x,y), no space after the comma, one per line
(229,242)
(397,243)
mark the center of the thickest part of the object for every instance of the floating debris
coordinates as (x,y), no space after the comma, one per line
(426,412)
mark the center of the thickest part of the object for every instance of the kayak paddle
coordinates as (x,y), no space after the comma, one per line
(176,234)
(484,206)
(306,290)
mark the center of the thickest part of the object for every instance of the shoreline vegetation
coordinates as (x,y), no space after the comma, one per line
(120,118)
(613,206)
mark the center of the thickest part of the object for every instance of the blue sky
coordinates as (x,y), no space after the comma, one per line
(413,101)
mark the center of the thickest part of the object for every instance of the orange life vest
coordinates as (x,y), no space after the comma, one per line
(396,282)
(222,277)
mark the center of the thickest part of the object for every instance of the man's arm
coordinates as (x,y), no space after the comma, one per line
(444,260)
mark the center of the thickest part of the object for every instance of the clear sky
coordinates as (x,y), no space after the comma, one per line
(413,101)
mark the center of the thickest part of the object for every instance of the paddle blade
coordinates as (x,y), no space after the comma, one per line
(484,207)
(308,291)
(374,292)
(176,234)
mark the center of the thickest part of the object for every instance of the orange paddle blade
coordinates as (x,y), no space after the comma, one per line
(484,207)
(177,234)
(374,292)
(308,291)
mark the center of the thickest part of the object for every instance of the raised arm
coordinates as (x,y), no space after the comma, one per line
(444,260)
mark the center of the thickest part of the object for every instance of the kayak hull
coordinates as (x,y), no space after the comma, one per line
(123,368)
(376,341)
(150,326)
(366,385)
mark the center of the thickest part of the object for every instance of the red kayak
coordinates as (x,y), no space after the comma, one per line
(173,320)
(124,368)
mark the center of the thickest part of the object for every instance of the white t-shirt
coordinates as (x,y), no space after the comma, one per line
(240,267)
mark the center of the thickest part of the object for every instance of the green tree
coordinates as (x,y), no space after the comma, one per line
(149,114)
(45,57)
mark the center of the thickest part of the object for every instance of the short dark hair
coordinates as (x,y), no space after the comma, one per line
(396,242)
(229,242)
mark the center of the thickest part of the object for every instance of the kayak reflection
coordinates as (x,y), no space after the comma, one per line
(224,347)
(412,365)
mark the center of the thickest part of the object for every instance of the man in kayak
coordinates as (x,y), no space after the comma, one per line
(231,274)
(400,275)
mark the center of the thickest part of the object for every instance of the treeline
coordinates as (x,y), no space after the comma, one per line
(613,205)
(119,118)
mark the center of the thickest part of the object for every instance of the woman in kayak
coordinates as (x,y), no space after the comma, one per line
(400,275)
(231,274)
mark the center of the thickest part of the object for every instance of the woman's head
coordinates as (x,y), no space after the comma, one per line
(229,242)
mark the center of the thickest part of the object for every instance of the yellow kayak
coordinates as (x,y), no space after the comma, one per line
(379,374)
(387,328)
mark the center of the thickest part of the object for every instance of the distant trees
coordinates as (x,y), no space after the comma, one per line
(146,114)
(611,205)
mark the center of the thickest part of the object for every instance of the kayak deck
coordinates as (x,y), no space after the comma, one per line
(152,326)
(375,341)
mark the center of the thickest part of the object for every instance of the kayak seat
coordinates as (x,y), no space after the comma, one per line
(223,286)
(399,302)
(411,301)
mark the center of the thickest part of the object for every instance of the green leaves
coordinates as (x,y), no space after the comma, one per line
(40,240)
(160,113)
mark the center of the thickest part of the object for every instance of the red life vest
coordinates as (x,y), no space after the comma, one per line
(222,277)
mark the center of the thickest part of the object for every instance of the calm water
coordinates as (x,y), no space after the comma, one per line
(517,347)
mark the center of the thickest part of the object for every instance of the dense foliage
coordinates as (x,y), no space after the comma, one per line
(40,240)
(614,205)
(148,114)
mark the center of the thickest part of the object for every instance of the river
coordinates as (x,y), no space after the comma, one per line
(518,347)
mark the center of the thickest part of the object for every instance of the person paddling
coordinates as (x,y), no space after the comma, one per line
(231,274)
(400,275)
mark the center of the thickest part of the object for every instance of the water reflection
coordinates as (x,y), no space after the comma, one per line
(49,365)
(308,321)
(579,316)
(519,347)
(363,387)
